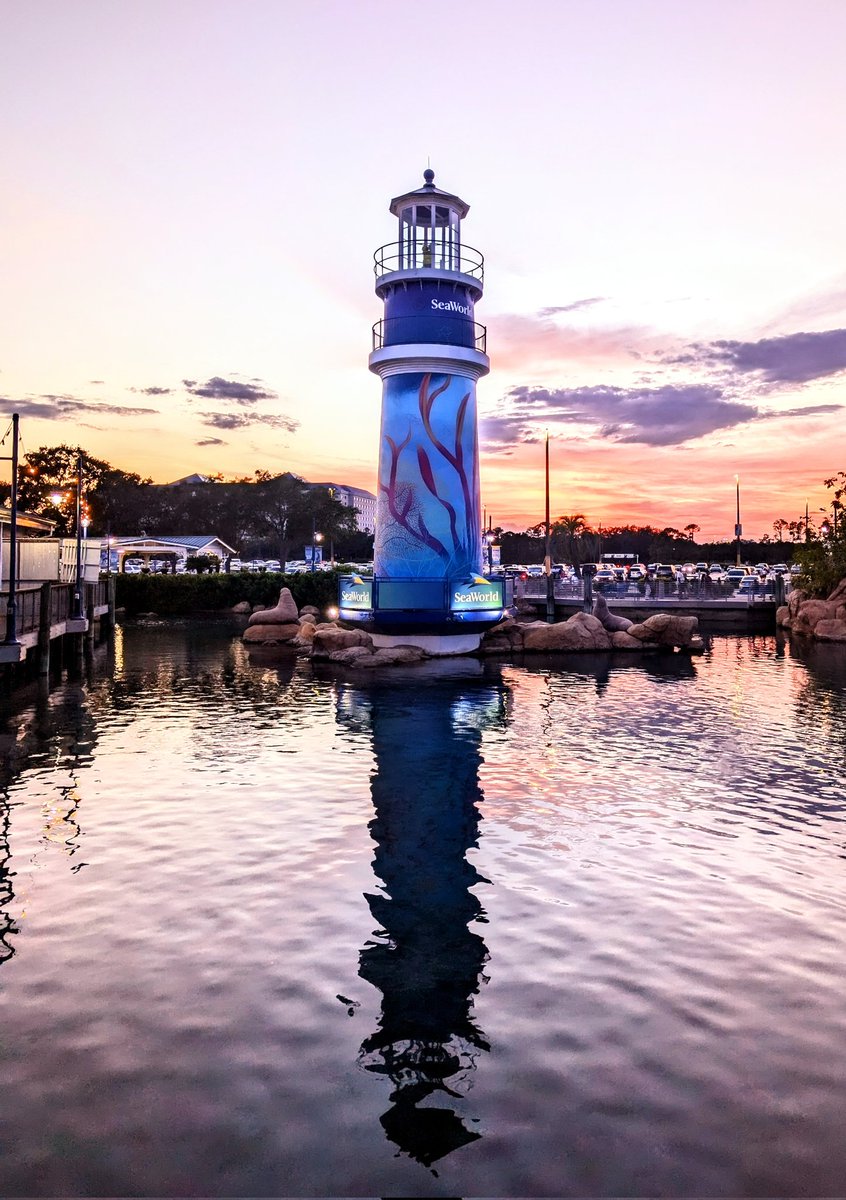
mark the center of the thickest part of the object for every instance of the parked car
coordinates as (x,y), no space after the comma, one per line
(750,585)
(716,573)
(637,571)
(735,574)
(781,568)
(664,571)
(604,575)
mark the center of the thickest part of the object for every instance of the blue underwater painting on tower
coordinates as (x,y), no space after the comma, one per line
(428,522)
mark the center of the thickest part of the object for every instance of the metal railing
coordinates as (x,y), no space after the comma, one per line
(403,256)
(534,588)
(445,331)
(28,609)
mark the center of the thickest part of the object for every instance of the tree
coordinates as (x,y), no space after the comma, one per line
(690,530)
(48,486)
(780,526)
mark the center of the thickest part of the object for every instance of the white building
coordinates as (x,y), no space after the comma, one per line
(353,497)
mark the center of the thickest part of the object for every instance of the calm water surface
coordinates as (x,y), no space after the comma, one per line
(569,928)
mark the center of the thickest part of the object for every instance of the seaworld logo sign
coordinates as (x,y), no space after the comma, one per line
(356,593)
(452,306)
(480,594)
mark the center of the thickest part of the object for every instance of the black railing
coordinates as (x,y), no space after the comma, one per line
(27,608)
(534,588)
(445,331)
(402,256)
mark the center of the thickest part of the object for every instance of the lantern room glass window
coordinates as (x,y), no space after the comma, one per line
(429,236)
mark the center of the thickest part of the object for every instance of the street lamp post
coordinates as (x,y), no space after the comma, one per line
(77,592)
(11,638)
(315,539)
(738,528)
(547,558)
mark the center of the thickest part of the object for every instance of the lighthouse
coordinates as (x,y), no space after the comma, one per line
(428,587)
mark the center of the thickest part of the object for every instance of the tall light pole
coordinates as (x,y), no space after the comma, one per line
(547,559)
(738,528)
(315,538)
(807,524)
(77,591)
(11,638)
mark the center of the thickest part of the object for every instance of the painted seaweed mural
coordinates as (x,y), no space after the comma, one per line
(428,523)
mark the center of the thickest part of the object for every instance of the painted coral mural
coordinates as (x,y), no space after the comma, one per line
(428,522)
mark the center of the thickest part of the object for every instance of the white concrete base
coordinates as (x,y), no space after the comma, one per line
(438,645)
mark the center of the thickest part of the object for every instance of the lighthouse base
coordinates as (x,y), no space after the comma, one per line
(436,645)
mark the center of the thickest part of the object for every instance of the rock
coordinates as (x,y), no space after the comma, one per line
(309,610)
(329,638)
(581,632)
(669,630)
(811,612)
(350,655)
(840,612)
(796,597)
(504,638)
(495,644)
(283,613)
(621,640)
(390,656)
(838,596)
(306,633)
(362,657)
(607,618)
(783,616)
(271,634)
(243,606)
(642,634)
(308,619)
(830,631)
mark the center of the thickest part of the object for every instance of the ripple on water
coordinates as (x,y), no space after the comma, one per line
(549,929)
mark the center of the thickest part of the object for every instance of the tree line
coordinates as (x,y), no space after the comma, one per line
(263,514)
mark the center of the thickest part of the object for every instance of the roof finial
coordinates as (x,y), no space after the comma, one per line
(429,176)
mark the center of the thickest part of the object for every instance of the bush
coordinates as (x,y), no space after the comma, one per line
(823,566)
(181,595)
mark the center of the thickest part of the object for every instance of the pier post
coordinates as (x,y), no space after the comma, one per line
(44,613)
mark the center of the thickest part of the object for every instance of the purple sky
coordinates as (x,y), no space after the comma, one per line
(192,191)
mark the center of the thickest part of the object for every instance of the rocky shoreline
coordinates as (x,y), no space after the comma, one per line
(303,632)
(823,620)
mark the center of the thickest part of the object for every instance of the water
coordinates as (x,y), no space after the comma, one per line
(567,928)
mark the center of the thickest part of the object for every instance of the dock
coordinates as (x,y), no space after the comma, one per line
(44,619)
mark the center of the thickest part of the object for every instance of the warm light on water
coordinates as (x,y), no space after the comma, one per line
(574,927)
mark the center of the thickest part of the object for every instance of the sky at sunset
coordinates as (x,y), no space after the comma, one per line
(191,192)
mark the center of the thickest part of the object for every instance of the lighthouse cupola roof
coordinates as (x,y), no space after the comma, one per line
(429,194)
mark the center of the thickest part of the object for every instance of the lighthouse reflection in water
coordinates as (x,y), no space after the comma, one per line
(427,957)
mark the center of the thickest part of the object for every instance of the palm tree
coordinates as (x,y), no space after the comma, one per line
(570,528)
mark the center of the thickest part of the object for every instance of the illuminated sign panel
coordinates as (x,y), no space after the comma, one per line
(479,596)
(356,593)
(397,595)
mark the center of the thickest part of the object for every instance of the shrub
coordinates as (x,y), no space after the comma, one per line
(823,565)
(181,595)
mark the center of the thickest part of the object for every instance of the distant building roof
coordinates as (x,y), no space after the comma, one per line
(26,520)
(196,478)
(166,539)
(353,491)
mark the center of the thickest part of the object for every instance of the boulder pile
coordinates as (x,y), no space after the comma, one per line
(824,620)
(303,632)
(599,630)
